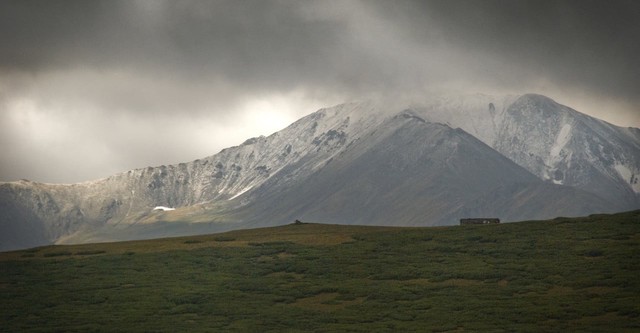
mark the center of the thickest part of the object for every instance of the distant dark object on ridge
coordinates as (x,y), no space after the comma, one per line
(480,221)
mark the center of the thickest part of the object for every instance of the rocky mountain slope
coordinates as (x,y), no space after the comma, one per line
(552,141)
(523,157)
(412,172)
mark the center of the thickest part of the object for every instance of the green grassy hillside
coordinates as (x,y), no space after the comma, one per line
(565,274)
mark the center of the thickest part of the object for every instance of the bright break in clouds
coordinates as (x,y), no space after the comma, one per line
(91,88)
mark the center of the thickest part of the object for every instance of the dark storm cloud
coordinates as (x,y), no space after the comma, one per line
(249,43)
(118,66)
(588,43)
(349,45)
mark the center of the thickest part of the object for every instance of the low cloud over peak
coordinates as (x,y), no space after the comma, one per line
(119,71)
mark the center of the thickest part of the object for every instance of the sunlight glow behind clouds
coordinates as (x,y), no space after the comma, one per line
(92,88)
(265,115)
(46,133)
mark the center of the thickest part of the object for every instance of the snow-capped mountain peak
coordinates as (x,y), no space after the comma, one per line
(420,163)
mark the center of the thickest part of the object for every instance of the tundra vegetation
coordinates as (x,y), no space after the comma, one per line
(566,274)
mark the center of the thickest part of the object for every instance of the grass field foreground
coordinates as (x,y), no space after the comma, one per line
(578,274)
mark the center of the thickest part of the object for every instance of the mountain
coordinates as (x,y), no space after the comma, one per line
(561,145)
(412,172)
(554,142)
(519,157)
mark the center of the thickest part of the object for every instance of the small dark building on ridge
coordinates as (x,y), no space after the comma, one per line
(482,220)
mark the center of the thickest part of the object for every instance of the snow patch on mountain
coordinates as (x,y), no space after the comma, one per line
(557,155)
(244,190)
(163,208)
(628,175)
(561,140)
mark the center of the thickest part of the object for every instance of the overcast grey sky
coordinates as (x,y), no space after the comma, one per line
(92,88)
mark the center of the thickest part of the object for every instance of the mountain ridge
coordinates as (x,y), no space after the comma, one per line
(237,187)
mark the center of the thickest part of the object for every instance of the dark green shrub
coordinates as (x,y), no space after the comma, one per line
(224,239)
(57,254)
(594,253)
(90,252)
